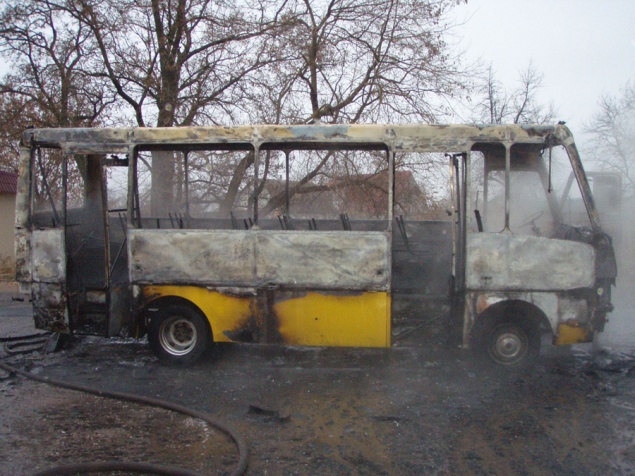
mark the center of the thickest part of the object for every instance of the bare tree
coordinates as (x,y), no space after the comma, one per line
(520,105)
(188,62)
(348,61)
(15,115)
(351,61)
(48,52)
(612,131)
(177,62)
(48,85)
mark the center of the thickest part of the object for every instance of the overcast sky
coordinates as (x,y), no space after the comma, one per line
(584,48)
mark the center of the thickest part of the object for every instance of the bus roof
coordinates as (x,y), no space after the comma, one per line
(408,137)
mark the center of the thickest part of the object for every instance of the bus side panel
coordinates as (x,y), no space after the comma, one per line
(322,319)
(324,260)
(304,288)
(508,262)
(203,257)
(23,273)
(355,319)
(225,310)
(22,220)
(48,265)
(357,261)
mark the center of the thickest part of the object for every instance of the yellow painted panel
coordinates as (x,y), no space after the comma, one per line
(224,312)
(568,334)
(317,319)
(361,320)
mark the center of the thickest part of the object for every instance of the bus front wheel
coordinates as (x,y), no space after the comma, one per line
(178,335)
(513,345)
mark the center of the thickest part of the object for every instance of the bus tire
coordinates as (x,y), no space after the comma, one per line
(512,344)
(179,335)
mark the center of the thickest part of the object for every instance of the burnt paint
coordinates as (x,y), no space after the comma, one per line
(49,308)
(263,325)
(416,136)
(575,306)
(48,318)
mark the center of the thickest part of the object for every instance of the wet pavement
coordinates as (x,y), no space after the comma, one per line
(15,315)
(408,410)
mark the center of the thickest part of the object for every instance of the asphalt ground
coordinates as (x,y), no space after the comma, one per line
(418,409)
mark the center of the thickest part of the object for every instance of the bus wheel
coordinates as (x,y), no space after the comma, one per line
(510,344)
(179,335)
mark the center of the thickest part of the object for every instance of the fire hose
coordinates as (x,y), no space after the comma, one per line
(134,467)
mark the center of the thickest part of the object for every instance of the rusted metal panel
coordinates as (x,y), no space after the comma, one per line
(22,218)
(191,257)
(48,258)
(256,258)
(49,307)
(22,200)
(504,261)
(118,321)
(23,273)
(558,307)
(547,302)
(573,310)
(355,260)
(48,265)
(80,140)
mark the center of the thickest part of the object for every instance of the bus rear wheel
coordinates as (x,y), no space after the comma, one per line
(179,335)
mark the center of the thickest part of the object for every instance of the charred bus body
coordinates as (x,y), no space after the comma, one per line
(310,235)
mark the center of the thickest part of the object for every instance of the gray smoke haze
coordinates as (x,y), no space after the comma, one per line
(619,333)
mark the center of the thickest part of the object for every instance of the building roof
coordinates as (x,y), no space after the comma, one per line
(8,182)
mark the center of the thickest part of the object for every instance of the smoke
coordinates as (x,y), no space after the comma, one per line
(619,333)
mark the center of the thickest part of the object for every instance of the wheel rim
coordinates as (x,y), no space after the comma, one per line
(177,335)
(509,347)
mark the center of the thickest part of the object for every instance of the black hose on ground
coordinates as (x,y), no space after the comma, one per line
(25,344)
(142,468)
(27,337)
(240,468)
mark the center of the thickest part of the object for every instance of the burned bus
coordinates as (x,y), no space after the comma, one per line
(311,235)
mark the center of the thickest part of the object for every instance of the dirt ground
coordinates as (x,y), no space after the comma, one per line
(406,410)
